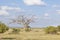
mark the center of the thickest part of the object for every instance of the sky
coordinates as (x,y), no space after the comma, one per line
(47,12)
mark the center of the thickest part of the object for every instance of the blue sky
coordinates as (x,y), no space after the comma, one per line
(46,11)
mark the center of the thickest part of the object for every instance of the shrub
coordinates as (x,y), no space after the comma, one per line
(58,28)
(27,29)
(51,30)
(15,30)
(3,28)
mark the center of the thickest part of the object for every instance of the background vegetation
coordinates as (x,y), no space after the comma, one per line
(3,27)
(32,34)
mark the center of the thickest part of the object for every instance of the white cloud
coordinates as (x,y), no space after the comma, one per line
(3,12)
(58,11)
(9,8)
(4,9)
(46,14)
(55,6)
(34,2)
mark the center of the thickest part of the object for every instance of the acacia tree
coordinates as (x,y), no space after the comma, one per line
(25,21)
(3,27)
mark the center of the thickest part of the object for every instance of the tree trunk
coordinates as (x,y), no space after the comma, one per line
(27,28)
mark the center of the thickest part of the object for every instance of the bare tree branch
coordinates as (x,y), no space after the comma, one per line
(23,20)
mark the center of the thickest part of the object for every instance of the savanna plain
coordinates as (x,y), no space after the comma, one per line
(34,34)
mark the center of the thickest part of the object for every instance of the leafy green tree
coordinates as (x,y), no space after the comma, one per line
(50,30)
(58,27)
(3,27)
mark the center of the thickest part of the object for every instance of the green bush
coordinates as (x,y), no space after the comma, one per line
(16,30)
(51,30)
(3,28)
(27,29)
(58,28)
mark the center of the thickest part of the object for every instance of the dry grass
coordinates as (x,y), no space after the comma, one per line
(35,34)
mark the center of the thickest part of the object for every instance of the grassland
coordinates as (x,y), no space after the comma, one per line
(35,34)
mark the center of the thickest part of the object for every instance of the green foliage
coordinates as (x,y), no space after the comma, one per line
(16,30)
(3,28)
(58,28)
(27,29)
(51,30)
